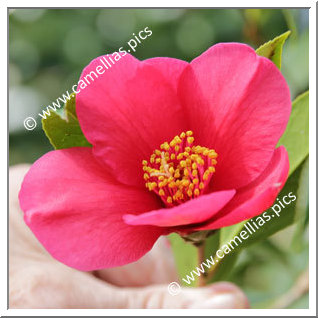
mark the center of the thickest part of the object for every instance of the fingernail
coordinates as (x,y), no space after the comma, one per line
(223,301)
(221,296)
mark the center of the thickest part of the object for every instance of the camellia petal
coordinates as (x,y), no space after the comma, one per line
(193,211)
(75,210)
(255,198)
(237,103)
(129,111)
(200,136)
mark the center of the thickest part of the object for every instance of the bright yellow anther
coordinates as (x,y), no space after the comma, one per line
(185,183)
(183,163)
(165,146)
(189,133)
(172,184)
(169,199)
(180,156)
(161,192)
(178,195)
(190,140)
(211,169)
(196,192)
(200,161)
(212,154)
(206,175)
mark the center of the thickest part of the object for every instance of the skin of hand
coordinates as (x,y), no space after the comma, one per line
(36,280)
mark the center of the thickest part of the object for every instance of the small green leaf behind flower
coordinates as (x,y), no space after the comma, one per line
(65,132)
(273,49)
(296,136)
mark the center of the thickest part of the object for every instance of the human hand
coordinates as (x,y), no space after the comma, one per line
(36,280)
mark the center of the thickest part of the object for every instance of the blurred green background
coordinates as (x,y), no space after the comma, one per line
(49,48)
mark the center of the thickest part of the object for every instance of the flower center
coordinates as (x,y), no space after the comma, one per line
(180,171)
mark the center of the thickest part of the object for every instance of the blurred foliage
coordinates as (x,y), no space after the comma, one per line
(49,48)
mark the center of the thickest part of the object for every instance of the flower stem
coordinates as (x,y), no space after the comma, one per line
(211,272)
(202,277)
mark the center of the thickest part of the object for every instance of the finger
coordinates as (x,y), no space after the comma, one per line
(53,285)
(44,284)
(216,296)
(20,236)
(156,267)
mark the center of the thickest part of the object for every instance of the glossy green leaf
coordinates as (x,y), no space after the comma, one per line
(273,49)
(65,132)
(296,136)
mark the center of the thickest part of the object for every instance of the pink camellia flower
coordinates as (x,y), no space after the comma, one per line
(177,147)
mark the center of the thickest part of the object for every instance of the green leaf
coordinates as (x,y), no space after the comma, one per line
(301,209)
(65,132)
(296,136)
(227,233)
(225,267)
(273,49)
(185,257)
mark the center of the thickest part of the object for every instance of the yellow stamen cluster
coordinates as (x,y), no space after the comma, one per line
(179,171)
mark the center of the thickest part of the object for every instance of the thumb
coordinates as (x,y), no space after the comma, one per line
(220,295)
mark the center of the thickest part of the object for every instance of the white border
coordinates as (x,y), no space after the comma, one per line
(312,159)
(164,3)
(312,166)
